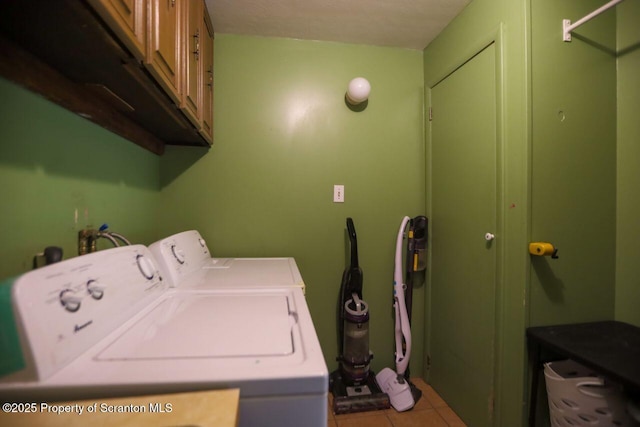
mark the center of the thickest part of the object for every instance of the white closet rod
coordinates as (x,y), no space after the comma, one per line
(567,26)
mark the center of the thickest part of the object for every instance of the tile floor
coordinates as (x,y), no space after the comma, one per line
(430,411)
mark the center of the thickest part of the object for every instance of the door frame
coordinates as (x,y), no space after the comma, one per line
(513,223)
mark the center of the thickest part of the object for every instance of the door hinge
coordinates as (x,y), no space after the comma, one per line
(492,404)
(430,114)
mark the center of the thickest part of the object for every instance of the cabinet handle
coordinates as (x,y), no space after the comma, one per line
(173,3)
(196,36)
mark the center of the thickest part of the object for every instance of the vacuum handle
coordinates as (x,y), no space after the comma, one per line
(403,327)
(354,243)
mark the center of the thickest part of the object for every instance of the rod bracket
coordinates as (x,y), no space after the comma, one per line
(566,30)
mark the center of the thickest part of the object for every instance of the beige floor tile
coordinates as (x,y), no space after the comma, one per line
(423,402)
(433,397)
(424,418)
(450,417)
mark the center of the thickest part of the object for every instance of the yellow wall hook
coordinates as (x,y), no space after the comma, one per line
(543,249)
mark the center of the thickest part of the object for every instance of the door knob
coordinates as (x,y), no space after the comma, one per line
(489,237)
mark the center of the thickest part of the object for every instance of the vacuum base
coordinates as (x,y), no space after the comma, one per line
(348,399)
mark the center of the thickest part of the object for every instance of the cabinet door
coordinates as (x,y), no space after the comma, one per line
(127,18)
(164,47)
(192,61)
(207,76)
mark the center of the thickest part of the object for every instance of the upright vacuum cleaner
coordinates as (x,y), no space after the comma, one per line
(402,393)
(353,384)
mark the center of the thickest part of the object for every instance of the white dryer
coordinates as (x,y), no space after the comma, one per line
(185,260)
(107,324)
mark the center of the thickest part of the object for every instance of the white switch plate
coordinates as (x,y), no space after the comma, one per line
(338,193)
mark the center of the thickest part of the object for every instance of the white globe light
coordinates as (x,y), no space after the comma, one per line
(358,91)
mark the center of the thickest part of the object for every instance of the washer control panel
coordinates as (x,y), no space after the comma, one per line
(180,254)
(67,307)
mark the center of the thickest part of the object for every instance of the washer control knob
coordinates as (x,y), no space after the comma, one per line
(202,242)
(146,267)
(95,289)
(178,254)
(489,237)
(69,300)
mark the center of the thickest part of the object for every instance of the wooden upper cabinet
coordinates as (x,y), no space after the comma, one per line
(174,41)
(207,84)
(128,19)
(197,60)
(192,60)
(163,57)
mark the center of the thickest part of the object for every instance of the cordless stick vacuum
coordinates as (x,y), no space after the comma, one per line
(402,393)
(353,384)
(416,260)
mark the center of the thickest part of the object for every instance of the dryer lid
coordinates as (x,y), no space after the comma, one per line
(249,272)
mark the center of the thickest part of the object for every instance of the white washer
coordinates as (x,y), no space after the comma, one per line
(107,324)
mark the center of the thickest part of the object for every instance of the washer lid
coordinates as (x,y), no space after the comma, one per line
(197,325)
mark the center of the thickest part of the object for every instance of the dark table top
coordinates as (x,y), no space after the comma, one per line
(609,347)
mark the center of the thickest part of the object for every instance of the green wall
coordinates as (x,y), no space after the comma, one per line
(283,138)
(600,102)
(574,163)
(628,127)
(54,163)
(573,166)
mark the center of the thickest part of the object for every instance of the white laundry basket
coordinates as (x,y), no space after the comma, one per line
(577,397)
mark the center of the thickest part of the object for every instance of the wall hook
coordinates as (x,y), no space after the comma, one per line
(543,249)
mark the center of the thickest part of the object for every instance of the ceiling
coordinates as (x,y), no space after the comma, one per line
(410,24)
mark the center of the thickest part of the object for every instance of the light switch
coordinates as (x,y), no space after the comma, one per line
(338,193)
